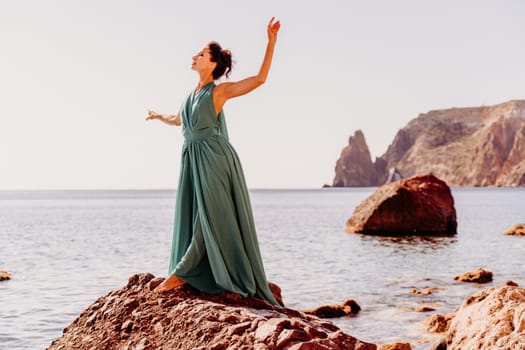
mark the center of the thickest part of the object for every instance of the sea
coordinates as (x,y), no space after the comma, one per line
(66,248)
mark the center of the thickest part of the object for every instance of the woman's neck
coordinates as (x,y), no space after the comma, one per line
(204,79)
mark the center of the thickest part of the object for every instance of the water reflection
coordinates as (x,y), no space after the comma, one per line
(423,244)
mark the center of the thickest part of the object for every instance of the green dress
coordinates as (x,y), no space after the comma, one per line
(214,245)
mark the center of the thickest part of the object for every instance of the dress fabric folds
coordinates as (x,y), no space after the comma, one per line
(214,245)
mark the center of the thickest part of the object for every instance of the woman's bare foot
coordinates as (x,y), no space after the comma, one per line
(171,282)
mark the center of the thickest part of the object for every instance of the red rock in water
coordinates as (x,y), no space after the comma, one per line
(348,307)
(135,317)
(478,276)
(421,205)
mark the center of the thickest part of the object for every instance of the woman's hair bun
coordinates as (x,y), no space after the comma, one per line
(223,58)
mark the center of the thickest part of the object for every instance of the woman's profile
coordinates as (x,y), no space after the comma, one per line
(215,246)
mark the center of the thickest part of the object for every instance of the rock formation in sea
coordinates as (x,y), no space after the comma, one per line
(355,168)
(492,319)
(418,205)
(475,146)
(136,318)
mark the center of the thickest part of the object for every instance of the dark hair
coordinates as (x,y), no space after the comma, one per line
(223,59)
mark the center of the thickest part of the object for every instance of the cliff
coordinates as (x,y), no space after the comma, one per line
(478,146)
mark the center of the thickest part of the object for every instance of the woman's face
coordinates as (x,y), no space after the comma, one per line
(201,61)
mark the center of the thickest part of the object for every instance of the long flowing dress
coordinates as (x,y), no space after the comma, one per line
(214,245)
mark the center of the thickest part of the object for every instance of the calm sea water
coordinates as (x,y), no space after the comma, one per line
(67,248)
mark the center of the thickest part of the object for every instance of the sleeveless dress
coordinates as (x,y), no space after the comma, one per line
(214,245)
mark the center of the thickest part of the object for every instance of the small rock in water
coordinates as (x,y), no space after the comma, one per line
(349,306)
(479,276)
(395,346)
(4,275)
(516,230)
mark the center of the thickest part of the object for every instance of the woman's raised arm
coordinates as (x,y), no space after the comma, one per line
(223,92)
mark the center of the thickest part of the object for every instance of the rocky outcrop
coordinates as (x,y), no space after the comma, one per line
(516,230)
(419,205)
(136,318)
(492,319)
(355,168)
(4,275)
(478,276)
(479,146)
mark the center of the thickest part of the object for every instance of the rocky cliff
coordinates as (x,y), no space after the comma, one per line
(478,146)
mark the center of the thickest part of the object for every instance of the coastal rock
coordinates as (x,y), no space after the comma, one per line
(473,146)
(395,346)
(420,205)
(4,275)
(135,317)
(478,276)
(516,230)
(354,167)
(438,323)
(492,319)
(349,307)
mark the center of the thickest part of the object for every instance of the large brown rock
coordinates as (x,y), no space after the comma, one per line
(419,205)
(135,317)
(492,319)
(473,146)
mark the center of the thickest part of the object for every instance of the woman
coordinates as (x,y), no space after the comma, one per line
(215,245)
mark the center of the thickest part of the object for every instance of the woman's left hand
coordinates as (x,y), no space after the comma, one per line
(273,29)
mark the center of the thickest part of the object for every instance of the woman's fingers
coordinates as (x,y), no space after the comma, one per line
(273,27)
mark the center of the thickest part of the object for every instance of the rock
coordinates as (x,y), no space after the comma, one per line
(394,175)
(349,307)
(438,323)
(4,275)
(395,346)
(491,319)
(487,144)
(422,205)
(135,317)
(424,309)
(516,230)
(425,291)
(479,276)
(354,168)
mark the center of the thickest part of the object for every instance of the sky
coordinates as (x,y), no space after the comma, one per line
(78,77)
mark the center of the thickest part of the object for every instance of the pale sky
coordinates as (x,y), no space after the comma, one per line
(77,79)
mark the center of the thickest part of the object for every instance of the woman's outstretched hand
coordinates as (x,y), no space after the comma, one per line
(153,115)
(273,29)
